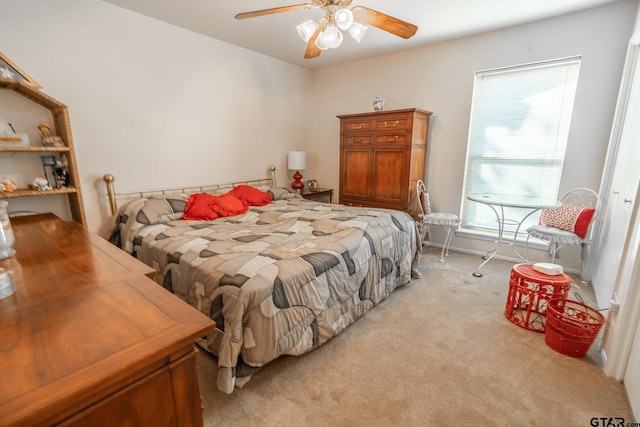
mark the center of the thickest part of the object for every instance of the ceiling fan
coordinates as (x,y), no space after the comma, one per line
(324,33)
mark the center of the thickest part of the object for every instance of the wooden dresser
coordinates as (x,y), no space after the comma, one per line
(89,339)
(382,155)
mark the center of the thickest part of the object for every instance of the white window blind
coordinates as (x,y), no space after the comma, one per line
(518,133)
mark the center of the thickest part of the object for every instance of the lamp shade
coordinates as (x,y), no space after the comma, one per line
(297,160)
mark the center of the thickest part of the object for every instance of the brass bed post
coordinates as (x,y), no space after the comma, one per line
(108,180)
(272,169)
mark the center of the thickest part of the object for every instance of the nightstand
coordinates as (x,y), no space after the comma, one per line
(319,195)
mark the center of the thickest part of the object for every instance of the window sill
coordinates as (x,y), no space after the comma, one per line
(508,237)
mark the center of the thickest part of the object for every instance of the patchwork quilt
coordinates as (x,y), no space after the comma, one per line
(283,278)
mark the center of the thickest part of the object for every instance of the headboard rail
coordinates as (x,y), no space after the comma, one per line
(114,196)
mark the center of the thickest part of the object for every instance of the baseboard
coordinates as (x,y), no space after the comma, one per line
(513,259)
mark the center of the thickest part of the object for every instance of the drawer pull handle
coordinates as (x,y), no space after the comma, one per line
(395,138)
(391,124)
(357,126)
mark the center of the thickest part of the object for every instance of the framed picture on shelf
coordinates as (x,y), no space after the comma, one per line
(9,70)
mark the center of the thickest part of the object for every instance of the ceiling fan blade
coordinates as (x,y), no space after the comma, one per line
(274,10)
(313,51)
(384,22)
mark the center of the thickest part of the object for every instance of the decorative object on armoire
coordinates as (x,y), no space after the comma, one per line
(378,104)
(6,232)
(10,71)
(324,33)
(297,161)
(382,157)
(34,105)
(49,138)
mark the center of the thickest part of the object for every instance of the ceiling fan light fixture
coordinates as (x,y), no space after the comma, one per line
(357,31)
(331,37)
(306,29)
(344,19)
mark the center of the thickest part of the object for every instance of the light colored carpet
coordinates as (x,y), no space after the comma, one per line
(437,352)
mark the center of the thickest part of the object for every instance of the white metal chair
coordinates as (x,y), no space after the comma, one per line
(569,224)
(427,218)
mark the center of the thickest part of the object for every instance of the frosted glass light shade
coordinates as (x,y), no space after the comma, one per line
(331,37)
(344,19)
(358,31)
(297,160)
(320,43)
(306,29)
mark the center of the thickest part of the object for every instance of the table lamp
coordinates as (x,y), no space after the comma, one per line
(297,162)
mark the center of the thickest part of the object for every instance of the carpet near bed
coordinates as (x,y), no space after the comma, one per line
(436,352)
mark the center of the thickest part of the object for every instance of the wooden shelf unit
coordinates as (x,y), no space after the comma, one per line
(62,127)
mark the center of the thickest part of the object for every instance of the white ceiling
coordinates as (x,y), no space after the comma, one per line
(276,36)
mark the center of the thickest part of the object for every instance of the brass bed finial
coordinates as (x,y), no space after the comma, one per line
(108,180)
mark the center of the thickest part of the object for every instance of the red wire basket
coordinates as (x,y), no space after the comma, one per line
(571,327)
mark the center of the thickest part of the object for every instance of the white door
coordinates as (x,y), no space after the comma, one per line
(617,269)
(620,200)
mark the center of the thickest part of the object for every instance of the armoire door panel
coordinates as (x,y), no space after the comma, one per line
(355,173)
(389,170)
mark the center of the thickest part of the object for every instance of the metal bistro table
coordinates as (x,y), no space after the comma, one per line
(497,202)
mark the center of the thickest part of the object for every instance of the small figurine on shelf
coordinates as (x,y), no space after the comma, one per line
(7,186)
(49,138)
(61,173)
(40,184)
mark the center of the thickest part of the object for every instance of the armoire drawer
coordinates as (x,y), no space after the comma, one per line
(393,139)
(393,123)
(357,125)
(357,140)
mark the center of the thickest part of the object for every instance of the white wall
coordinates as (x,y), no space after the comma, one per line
(154,104)
(439,78)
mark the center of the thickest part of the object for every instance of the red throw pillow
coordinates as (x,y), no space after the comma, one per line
(200,206)
(229,205)
(569,218)
(250,195)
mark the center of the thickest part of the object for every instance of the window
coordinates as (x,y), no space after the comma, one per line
(517,136)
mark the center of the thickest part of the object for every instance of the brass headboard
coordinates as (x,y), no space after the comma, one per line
(130,195)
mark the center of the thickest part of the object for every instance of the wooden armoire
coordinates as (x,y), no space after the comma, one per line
(382,156)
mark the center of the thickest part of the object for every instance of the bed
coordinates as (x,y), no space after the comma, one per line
(281,278)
